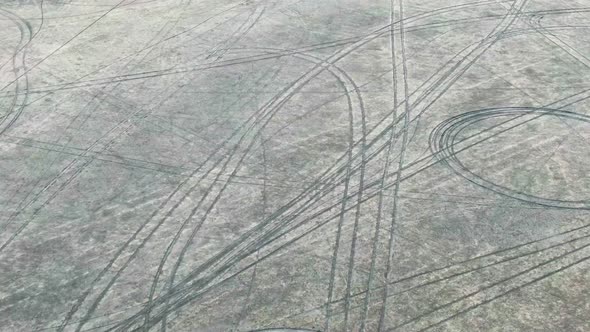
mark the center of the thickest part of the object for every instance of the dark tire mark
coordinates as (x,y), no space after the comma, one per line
(445,134)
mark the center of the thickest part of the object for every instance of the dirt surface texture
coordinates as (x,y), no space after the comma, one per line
(295,165)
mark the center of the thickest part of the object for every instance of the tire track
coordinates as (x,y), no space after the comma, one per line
(383,31)
(75,167)
(454,308)
(19,100)
(464,267)
(180,190)
(397,182)
(63,45)
(272,106)
(243,313)
(442,145)
(341,77)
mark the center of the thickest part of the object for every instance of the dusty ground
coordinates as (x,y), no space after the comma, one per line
(342,165)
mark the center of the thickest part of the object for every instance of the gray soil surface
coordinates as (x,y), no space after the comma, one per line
(295,165)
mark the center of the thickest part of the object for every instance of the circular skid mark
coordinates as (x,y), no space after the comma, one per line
(446,145)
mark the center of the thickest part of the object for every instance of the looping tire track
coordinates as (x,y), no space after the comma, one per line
(126,325)
(348,168)
(444,136)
